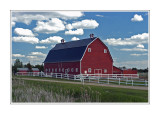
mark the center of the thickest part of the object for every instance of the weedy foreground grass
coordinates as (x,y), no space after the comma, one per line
(39,91)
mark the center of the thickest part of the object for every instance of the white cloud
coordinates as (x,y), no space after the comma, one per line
(85,24)
(18,55)
(137,18)
(140,46)
(74,38)
(99,15)
(41,47)
(134,49)
(38,53)
(54,39)
(52,26)
(69,26)
(133,40)
(23,32)
(74,32)
(132,64)
(32,57)
(27,17)
(138,54)
(13,23)
(32,40)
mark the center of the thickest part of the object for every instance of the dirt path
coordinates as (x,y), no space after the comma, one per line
(96,84)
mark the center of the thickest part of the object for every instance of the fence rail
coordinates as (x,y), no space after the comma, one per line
(120,79)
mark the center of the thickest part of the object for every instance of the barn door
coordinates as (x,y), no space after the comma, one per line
(98,71)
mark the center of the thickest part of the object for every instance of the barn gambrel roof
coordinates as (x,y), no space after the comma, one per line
(68,51)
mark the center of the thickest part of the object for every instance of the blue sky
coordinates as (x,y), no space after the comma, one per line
(125,33)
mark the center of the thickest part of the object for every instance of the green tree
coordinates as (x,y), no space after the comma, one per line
(17,64)
(29,66)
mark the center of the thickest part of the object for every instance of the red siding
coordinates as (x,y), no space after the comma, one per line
(130,71)
(97,59)
(117,70)
(64,65)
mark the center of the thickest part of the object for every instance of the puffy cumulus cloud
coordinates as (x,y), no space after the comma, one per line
(41,47)
(38,53)
(27,17)
(74,38)
(69,26)
(134,49)
(54,39)
(137,18)
(23,32)
(74,32)
(138,54)
(84,24)
(32,40)
(18,55)
(13,23)
(140,46)
(52,26)
(133,40)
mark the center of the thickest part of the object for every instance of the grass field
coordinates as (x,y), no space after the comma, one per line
(38,91)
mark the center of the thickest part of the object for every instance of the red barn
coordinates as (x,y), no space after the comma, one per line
(22,70)
(86,56)
(130,71)
(117,70)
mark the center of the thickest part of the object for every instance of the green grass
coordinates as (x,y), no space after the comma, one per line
(38,91)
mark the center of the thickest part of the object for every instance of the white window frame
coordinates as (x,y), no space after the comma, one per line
(105,70)
(49,69)
(72,69)
(68,69)
(105,51)
(52,70)
(76,69)
(59,70)
(46,69)
(55,69)
(89,49)
(89,70)
(62,69)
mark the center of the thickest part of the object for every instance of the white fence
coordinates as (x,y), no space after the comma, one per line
(120,79)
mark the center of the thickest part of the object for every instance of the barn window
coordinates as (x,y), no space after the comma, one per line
(52,70)
(68,69)
(62,69)
(49,69)
(46,69)
(59,69)
(105,70)
(105,51)
(72,70)
(89,70)
(89,49)
(55,69)
(76,69)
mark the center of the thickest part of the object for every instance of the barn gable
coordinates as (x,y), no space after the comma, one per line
(68,51)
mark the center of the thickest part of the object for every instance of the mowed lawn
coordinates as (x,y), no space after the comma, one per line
(40,91)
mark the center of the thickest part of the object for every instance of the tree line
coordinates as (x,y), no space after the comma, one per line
(19,64)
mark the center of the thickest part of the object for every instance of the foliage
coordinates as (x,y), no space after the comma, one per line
(17,64)
(41,91)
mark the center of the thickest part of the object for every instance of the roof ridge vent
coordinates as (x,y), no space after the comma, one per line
(62,40)
(91,35)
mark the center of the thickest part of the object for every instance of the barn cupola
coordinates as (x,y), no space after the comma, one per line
(62,40)
(91,35)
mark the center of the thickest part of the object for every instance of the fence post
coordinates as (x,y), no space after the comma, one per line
(56,75)
(68,76)
(145,83)
(132,82)
(126,80)
(119,81)
(98,79)
(61,75)
(74,77)
(51,74)
(89,79)
(108,79)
